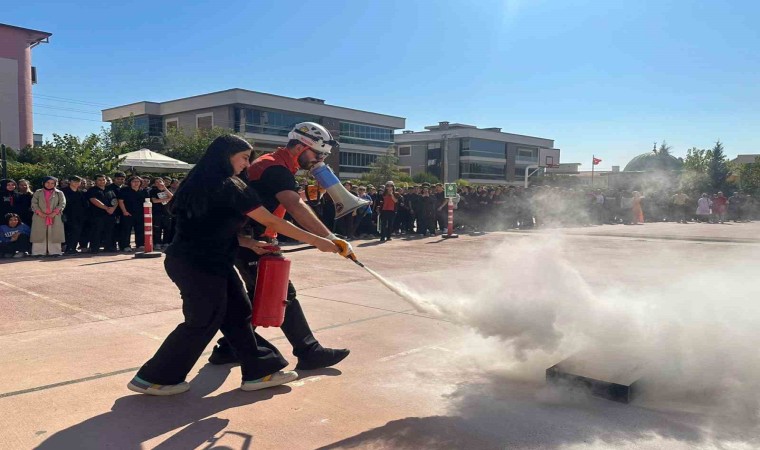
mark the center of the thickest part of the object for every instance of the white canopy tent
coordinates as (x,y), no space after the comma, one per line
(145,160)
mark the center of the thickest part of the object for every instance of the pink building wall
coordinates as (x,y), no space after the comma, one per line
(16,44)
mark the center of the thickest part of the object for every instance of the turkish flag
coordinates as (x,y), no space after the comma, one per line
(596,161)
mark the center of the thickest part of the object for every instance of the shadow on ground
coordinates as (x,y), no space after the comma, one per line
(499,414)
(134,419)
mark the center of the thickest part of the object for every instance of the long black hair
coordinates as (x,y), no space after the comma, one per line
(209,176)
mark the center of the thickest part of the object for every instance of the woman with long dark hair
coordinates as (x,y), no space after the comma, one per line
(211,205)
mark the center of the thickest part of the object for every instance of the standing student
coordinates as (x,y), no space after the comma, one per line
(103,203)
(131,198)
(273,177)
(25,201)
(387,206)
(47,225)
(74,215)
(159,197)
(211,205)
(8,197)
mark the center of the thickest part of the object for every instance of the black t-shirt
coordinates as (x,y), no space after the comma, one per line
(159,209)
(210,241)
(107,197)
(76,203)
(133,200)
(274,179)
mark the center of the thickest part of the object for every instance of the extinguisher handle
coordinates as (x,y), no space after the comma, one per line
(273,248)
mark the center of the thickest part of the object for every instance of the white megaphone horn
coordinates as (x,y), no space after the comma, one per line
(345,202)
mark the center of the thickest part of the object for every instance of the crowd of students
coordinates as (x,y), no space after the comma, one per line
(79,215)
(106,214)
(422,209)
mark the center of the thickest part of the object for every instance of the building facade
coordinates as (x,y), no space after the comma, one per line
(266,119)
(16,79)
(478,155)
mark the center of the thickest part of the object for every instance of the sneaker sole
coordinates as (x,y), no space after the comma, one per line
(179,389)
(287,378)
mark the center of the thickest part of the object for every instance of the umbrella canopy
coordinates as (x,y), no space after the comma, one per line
(149,161)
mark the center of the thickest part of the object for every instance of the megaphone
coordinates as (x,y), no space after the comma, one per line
(345,202)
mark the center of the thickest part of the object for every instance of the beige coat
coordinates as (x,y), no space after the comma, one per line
(58,200)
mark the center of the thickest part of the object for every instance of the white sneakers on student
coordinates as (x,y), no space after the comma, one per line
(275,379)
(139,385)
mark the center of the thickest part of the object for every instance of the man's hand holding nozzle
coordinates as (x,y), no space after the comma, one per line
(345,248)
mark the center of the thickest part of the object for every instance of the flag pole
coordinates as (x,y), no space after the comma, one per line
(593,160)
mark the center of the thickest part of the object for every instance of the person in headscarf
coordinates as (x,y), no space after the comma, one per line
(8,197)
(47,226)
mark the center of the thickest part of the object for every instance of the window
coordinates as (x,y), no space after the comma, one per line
(204,121)
(274,123)
(172,124)
(356,162)
(405,170)
(405,150)
(482,170)
(527,155)
(483,148)
(355,133)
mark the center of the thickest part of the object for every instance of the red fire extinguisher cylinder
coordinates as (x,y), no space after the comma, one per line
(271,292)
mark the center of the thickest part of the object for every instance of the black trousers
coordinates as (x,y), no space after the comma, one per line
(72,228)
(161,229)
(294,327)
(210,302)
(21,244)
(128,223)
(387,219)
(101,232)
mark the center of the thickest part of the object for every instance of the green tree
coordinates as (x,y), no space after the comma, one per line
(190,147)
(749,177)
(694,177)
(717,168)
(383,169)
(67,155)
(125,136)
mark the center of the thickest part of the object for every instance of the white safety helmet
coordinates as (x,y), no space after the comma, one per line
(315,136)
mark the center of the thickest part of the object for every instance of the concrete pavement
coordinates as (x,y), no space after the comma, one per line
(75,330)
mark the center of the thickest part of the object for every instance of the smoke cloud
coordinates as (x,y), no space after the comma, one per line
(694,330)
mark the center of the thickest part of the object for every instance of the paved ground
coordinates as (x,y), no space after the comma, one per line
(73,332)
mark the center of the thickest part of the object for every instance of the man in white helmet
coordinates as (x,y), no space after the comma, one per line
(273,176)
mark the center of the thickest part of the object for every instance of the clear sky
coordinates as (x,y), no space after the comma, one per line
(603,77)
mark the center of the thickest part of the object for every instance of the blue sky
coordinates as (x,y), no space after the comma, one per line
(602,77)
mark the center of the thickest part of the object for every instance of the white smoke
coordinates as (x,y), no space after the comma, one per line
(696,336)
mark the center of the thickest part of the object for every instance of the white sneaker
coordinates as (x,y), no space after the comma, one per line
(139,385)
(276,379)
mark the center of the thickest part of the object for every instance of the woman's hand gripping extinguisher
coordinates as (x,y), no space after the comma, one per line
(270,296)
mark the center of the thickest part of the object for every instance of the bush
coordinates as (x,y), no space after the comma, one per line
(32,172)
(424,177)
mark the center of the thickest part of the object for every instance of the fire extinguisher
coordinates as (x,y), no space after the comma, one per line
(271,292)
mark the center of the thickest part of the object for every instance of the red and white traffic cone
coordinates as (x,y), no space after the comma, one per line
(450,229)
(148,219)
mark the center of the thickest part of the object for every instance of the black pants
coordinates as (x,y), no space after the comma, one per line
(387,219)
(135,221)
(101,232)
(210,302)
(161,229)
(72,228)
(21,244)
(294,327)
